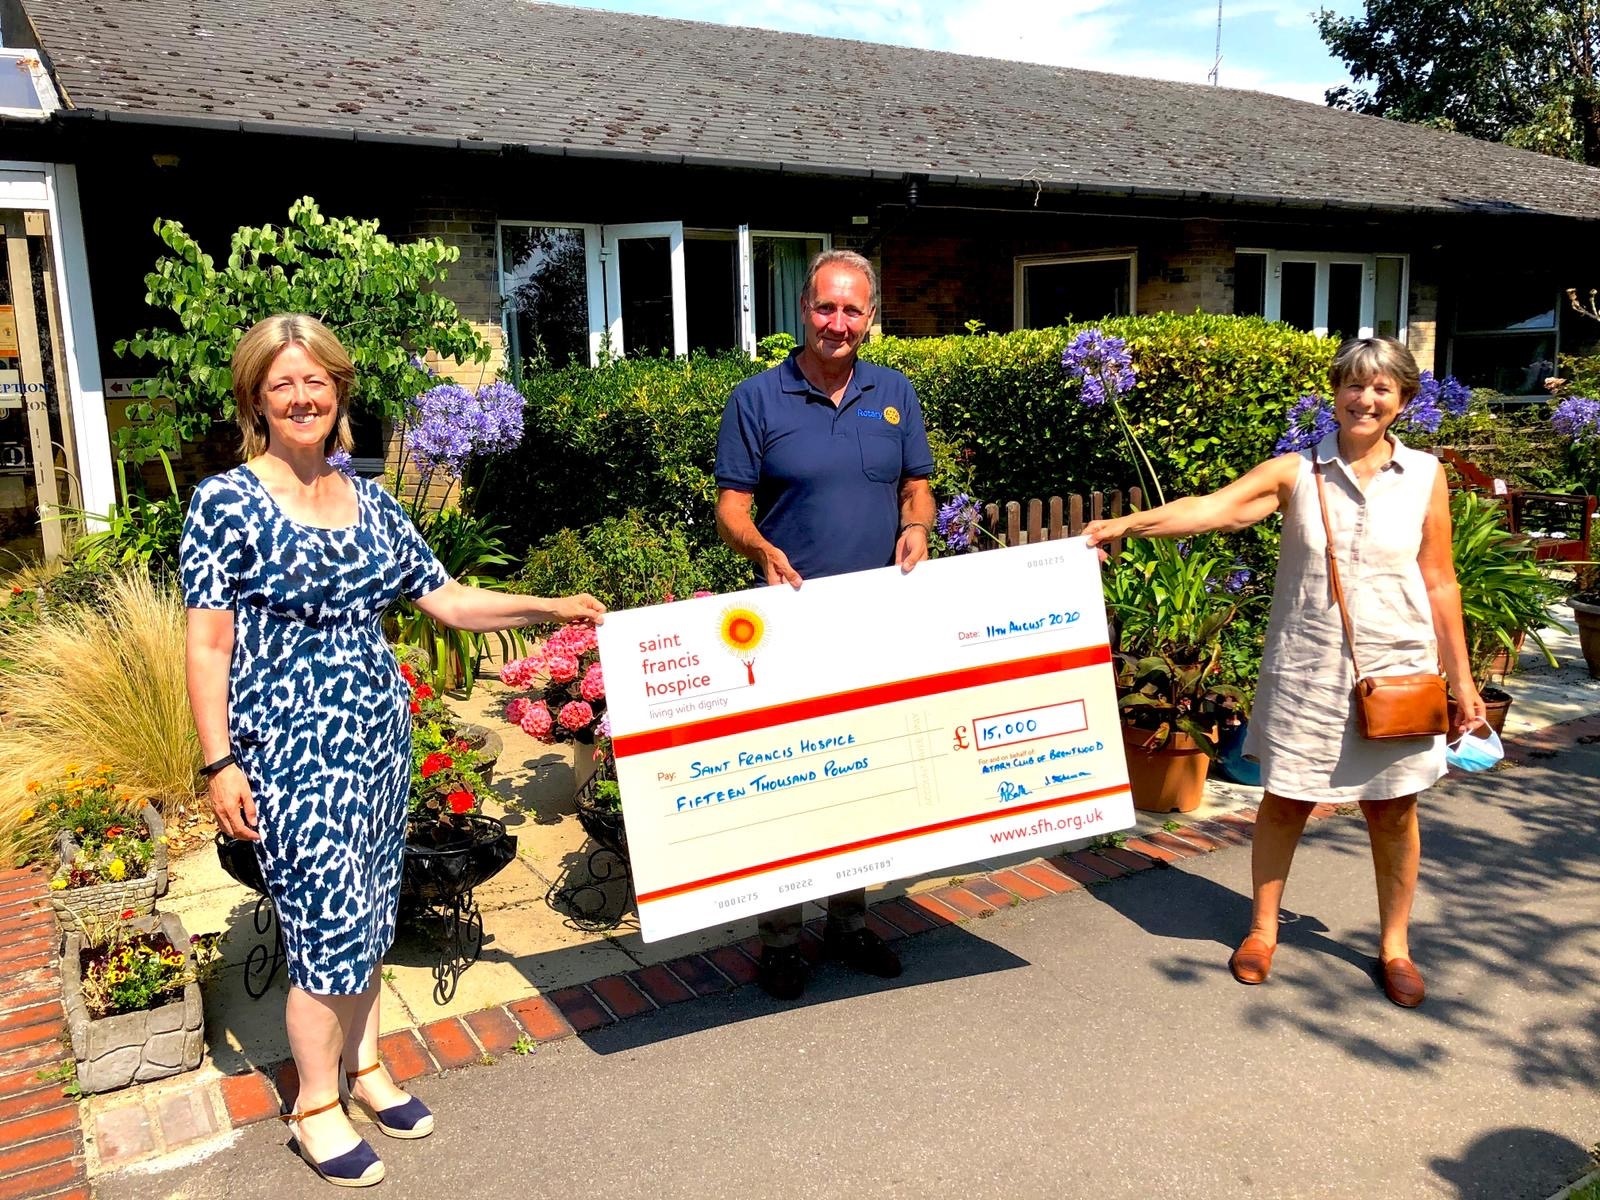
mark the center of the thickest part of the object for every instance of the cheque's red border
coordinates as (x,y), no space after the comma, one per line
(837,702)
(1006,814)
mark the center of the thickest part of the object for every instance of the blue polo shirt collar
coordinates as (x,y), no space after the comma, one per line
(792,380)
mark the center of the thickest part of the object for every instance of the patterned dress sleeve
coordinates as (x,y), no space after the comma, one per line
(420,570)
(212,548)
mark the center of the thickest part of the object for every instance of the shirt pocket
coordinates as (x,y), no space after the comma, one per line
(880,455)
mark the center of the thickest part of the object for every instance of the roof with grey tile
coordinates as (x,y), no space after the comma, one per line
(579,81)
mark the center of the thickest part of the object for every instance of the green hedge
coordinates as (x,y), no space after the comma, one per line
(641,434)
(1210,401)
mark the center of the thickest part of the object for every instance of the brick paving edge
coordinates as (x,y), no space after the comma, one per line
(42,1131)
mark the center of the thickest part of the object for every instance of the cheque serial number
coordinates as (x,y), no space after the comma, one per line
(735,901)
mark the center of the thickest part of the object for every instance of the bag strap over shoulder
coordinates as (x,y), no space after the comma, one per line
(1333,567)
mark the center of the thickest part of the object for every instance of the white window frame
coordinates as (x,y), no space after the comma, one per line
(1323,261)
(747,272)
(604,284)
(1021,263)
(593,280)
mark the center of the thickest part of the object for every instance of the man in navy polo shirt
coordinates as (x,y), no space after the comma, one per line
(833,453)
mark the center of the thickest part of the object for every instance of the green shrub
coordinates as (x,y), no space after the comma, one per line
(629,561)
(641,434)
(1209,402)
(634,434)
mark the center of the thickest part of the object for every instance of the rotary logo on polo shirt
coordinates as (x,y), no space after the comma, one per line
(892,415)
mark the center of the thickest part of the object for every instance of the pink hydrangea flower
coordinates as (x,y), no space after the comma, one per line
(563,668)
(576,640)
(701,592)
(593,686)
(523,672)
(536,721)
(575,715)
(517,708)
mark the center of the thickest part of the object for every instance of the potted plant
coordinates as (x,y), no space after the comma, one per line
(131,987)
(1505,597)
(1172,602)
(112,858)
(567,700)
(451,846)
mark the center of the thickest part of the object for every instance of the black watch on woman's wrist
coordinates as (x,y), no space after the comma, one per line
(211,769)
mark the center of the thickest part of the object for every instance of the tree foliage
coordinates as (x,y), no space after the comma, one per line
(1524,72)
(375,294)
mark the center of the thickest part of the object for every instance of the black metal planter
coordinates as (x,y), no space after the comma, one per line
(595,894)
(442,865)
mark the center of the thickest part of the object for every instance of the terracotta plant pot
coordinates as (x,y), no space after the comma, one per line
(1171,779)
(1588,617)
(1496,703)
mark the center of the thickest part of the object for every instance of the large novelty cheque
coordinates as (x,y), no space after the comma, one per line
(776,745)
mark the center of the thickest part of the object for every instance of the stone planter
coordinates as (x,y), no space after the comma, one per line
(486,742)
(106,902)
(127,1048)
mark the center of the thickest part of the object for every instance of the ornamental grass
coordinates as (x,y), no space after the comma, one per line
(96,684)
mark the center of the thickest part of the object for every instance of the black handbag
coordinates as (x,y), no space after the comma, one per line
(238,859)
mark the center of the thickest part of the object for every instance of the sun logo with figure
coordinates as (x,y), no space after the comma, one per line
(742,630)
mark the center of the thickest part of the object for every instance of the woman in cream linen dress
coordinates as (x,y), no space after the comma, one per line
(1389,509)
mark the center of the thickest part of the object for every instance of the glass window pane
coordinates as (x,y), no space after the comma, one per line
(1344,299)
(1515,364)
(711,281)
(1054,293)
(1297,295)
(546,294)
(1386,297)
(644,266)
(1249,285)
(780,271)
(1507,304)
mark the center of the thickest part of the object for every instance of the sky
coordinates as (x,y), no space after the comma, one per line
(1267,45)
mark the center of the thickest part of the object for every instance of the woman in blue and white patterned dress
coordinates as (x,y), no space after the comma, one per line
(288,567)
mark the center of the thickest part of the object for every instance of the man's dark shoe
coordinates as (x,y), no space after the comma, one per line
(861,950)
(782,972)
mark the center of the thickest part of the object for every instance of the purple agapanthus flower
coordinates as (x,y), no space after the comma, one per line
(1435,399)
(1578,417)
(451,423)
(339,460)
(1310,420)
(1096,363)
(958,522)
(1238,579)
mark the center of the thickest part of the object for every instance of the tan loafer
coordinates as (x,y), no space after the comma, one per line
(1252,961)
(1402,982)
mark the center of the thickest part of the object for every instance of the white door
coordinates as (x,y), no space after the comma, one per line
(645,309)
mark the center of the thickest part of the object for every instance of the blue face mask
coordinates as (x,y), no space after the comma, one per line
(1475,751)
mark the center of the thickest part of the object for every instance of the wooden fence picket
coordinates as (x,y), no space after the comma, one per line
(1007,527)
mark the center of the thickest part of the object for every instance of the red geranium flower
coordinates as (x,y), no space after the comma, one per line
(436,762)
(127,914)
(460,802)
(415,708)
(409,674)
(424,692)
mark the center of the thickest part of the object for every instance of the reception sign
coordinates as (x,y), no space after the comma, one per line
(776,745)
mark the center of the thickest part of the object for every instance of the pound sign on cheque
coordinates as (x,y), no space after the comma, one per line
(961,738)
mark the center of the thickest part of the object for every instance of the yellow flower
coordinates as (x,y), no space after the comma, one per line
(25,815)
(33,785)
(58,884)
(72,768)
(117,869)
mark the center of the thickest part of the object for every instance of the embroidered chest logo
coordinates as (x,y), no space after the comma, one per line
(870,414)
(892,415)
